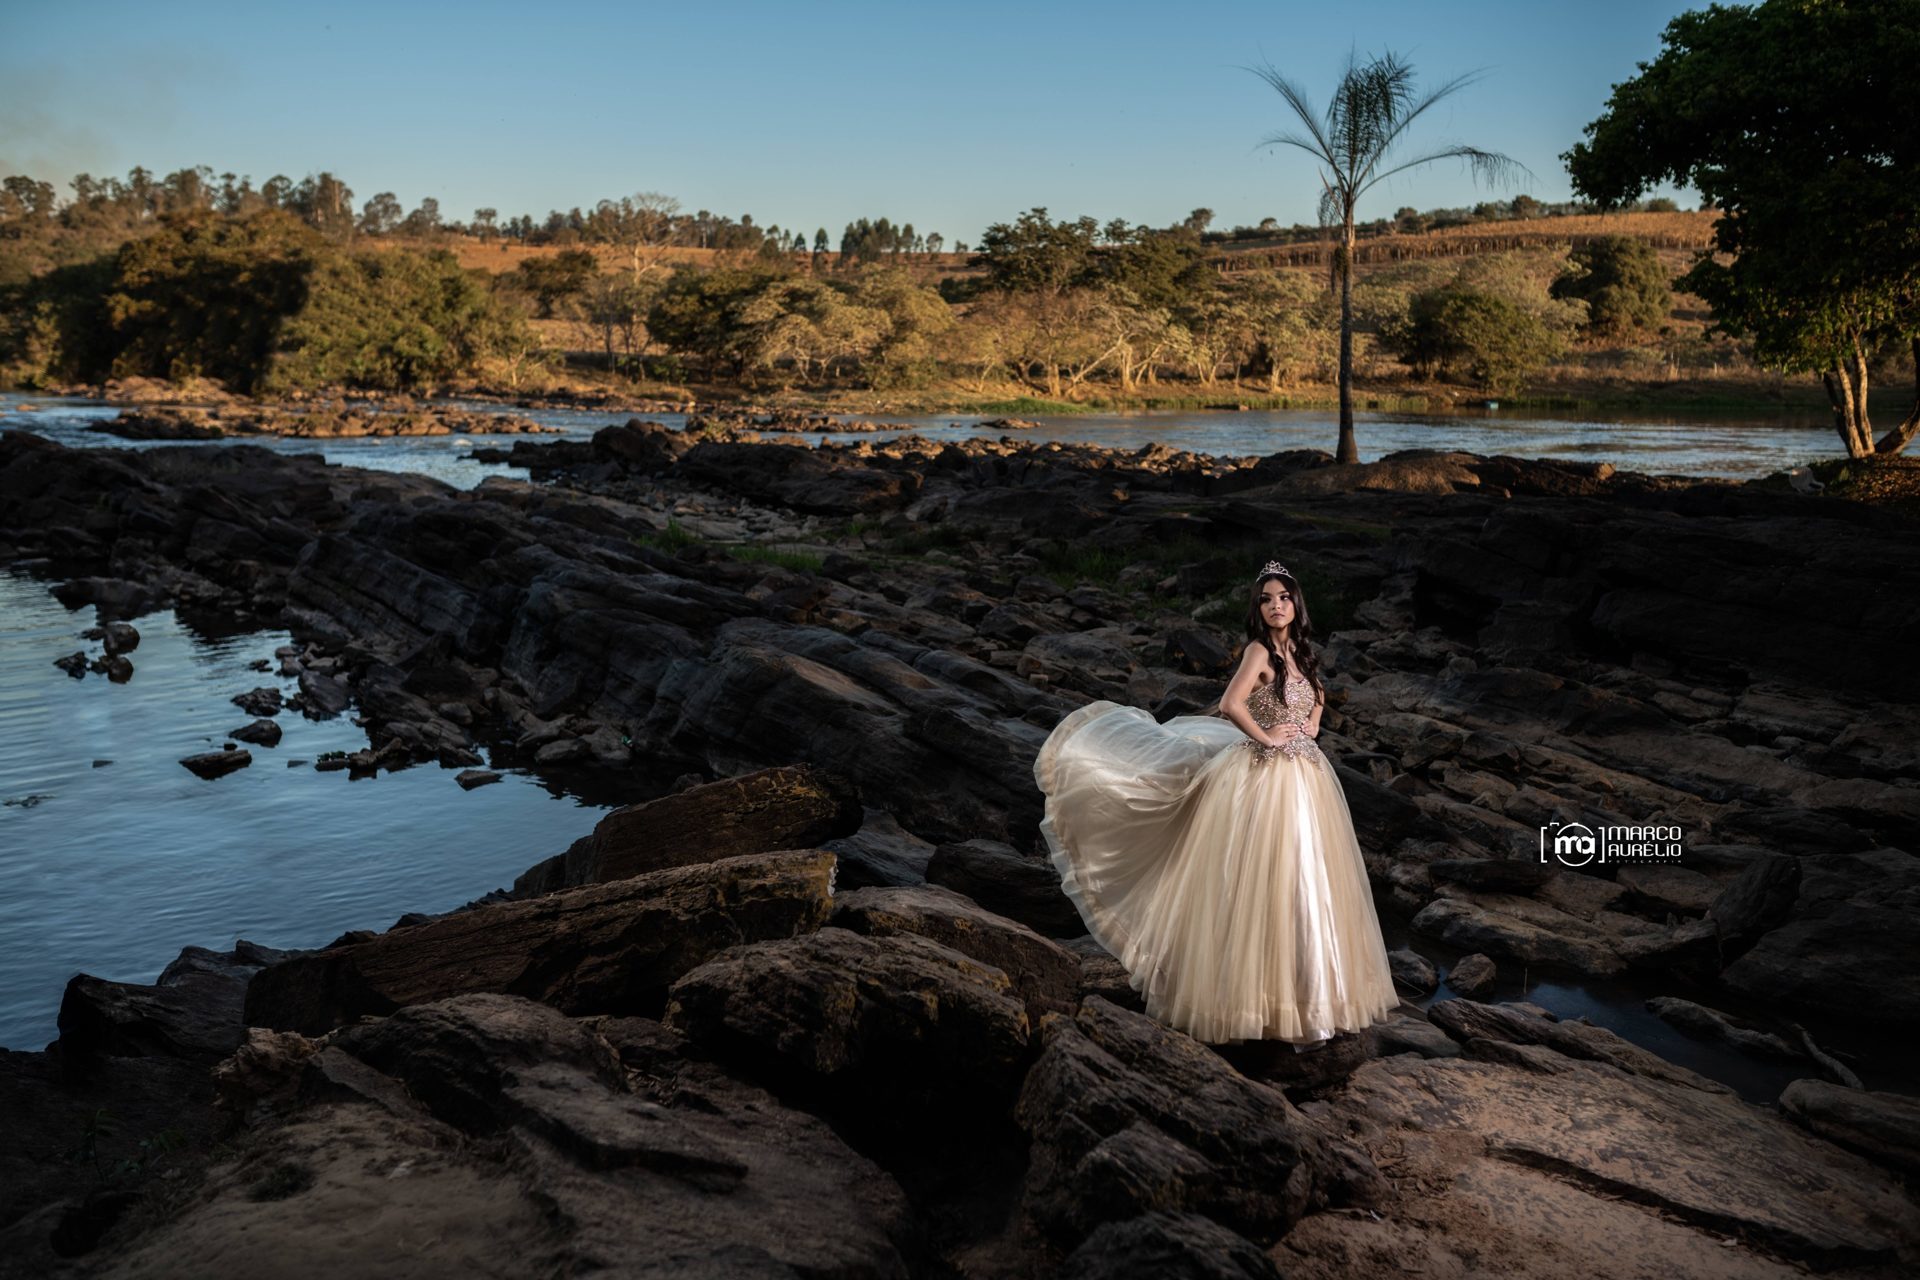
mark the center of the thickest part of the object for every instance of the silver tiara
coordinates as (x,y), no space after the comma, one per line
(1271,566)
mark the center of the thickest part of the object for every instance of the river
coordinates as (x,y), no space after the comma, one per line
(1736,447)
(116,857)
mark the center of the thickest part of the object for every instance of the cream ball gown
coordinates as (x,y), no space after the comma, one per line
(1224,875)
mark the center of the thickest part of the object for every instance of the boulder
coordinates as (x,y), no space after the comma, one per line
(894,1027)
(1471,975)
(1128,1117)
(1167,1246)
(262,732)
(1884,1127)
(1008,884)
(1046,974)
(612,948)
(794,807)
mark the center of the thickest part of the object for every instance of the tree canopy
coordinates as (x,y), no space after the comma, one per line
(1793,117)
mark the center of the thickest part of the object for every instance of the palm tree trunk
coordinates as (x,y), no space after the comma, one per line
(1349,449)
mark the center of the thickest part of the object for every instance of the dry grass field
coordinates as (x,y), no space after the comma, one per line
(1684,232)
(1677,235)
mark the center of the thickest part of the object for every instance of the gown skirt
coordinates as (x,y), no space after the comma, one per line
(1224,877)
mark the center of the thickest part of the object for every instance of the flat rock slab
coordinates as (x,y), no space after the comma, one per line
(518,1143)
(1545,1157)
(611,948)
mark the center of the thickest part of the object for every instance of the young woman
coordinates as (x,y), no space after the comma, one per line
(1216,858)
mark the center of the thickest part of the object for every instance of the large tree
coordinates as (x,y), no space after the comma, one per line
(1795,118)
(1357,146)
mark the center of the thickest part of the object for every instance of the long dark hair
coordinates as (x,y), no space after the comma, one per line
(1299,632)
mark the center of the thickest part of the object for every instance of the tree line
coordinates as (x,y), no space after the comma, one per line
(267,303)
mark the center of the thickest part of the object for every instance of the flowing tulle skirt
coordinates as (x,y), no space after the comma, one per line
(1231,889)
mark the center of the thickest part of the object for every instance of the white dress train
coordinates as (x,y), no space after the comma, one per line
(1224,875)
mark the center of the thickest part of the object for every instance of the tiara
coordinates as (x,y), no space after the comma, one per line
(1271,566)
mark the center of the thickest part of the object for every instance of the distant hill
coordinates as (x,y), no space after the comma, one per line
(1676,231)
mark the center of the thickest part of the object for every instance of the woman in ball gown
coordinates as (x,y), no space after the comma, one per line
(1216,858)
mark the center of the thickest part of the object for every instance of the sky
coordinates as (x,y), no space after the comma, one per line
(803,114)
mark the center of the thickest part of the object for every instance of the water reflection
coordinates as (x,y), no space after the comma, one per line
(114,868)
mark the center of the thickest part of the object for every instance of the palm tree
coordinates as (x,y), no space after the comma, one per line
(1371,111)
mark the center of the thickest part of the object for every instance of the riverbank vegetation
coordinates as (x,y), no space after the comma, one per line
(173,280)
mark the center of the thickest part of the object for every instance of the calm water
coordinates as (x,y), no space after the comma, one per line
(115,857)
(1735,448)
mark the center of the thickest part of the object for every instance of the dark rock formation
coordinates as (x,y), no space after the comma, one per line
(612,948)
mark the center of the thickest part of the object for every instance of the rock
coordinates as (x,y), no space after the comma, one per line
(1004,882)
(1713,1024)
(1502,924)
(110,597)
(1197,652)
(793,807)
(262,732)
(1471,975)
(1045,974)
(1883,1127)
(321,695)
(1128,1117)
(264,701)
(563,751)
(1406,1034)
(215,764)
(1412,971)
(119,637)
(893,1026)
(880,853)
(1851,925)
(113,667)
(1167,1246)
(1522,1165)
(524,1118)
(598,949)
(1660,889)
(1102,974)
(1496,875)
(74,664)
(471,778)
(1468,1021)
(192,1011)
(1758,899)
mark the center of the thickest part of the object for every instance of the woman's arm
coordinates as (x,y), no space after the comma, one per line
(1313,721)
(1233,703)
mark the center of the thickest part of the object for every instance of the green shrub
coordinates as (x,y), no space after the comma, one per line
(1621,281)
(1464,333)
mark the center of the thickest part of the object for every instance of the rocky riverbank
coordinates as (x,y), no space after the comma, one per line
(838,1019)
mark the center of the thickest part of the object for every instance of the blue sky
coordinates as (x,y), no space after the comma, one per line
(947,116)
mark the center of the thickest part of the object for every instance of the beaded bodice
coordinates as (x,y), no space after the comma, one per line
(1294,705)
(1270,709)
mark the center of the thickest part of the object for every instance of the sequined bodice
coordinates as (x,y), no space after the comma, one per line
(1294,705)
(1269,709)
